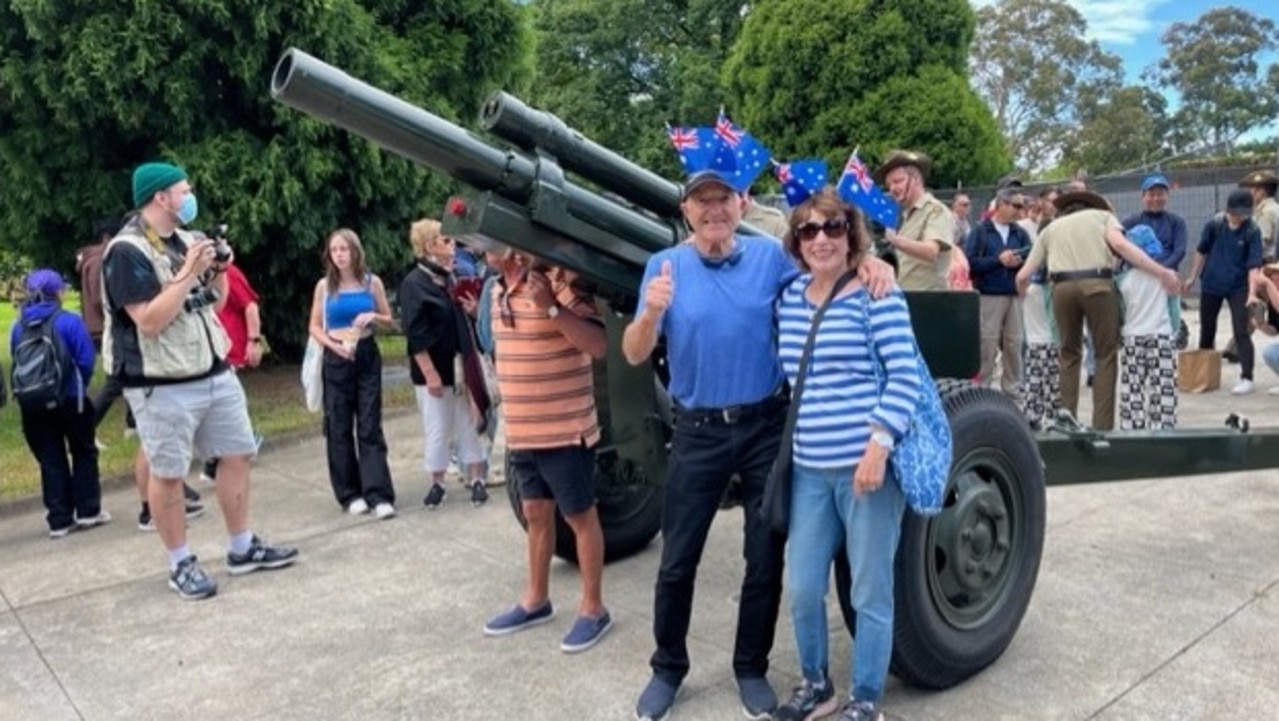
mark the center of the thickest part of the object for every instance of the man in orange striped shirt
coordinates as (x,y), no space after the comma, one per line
(546,335)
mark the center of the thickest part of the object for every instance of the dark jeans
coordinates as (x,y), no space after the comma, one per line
(110,393)
(70,485)
(704,455)
(1209,308)
(353,426)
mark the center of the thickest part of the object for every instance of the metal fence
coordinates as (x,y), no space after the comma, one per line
(1197,194)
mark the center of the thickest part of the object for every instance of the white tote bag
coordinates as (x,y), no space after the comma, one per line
(313,375)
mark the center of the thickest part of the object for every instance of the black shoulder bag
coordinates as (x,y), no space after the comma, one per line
(775,507)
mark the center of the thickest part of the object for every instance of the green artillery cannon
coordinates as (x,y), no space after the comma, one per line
(963,578)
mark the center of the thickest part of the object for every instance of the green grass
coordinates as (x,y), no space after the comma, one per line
(275,404)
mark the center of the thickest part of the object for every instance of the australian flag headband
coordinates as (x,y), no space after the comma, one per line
(725,148)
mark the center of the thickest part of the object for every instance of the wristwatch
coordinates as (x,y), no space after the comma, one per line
(884,439)
(553,312)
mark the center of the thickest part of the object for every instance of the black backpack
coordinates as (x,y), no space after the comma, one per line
(41,364)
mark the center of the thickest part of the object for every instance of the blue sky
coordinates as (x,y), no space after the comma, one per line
(1131,28)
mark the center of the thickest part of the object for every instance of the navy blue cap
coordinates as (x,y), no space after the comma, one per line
(707,177)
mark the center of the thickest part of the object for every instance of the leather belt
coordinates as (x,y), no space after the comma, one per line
(732,414)
(1081,275)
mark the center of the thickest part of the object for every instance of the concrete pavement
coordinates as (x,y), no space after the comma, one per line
(1156,599)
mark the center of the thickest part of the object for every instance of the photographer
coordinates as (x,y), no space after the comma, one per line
(996,248)
(165,344)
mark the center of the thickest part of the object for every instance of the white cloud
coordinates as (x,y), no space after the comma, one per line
(1119,23)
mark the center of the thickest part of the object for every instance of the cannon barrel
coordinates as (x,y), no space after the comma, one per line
(524,199)
(511,119)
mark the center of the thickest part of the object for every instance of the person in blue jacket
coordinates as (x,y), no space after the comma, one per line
(996,248)
(62,438)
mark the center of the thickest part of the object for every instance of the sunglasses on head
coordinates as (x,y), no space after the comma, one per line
(832,228)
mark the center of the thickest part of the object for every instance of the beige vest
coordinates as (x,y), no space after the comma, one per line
(188,346)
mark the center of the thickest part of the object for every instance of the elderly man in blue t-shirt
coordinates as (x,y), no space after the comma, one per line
(712,298)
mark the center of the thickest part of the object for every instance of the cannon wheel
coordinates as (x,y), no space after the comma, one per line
(963,578)
(630,511)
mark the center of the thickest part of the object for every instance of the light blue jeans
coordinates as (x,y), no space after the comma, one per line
(824,513)
(1271,357)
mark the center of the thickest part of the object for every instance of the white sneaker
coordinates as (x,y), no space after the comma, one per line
(1274,391)
(384,511)
(358,507)
(101,519)
(102,446)
(1242,388)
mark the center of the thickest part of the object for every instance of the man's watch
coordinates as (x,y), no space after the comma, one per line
(553,312)
(884,439)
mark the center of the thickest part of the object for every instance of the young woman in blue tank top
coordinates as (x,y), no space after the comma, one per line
(347,306)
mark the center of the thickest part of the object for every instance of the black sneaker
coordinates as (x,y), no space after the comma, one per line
(808,701)
(145,522)
(260,556)
(479,495)
(192,495)
(434,497)
(190,581)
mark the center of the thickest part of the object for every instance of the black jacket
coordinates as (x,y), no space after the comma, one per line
(431,322)
(989,276)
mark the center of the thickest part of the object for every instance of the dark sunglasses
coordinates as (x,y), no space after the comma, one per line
(832,228)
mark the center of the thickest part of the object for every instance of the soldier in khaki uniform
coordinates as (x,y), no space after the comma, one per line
(1265,210)
(925,240)
(1077,248)
(766,218)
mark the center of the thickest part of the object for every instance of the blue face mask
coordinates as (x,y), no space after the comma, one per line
(188,209)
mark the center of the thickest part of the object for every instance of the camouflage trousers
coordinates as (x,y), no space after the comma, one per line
(1147,383)
(1041,384)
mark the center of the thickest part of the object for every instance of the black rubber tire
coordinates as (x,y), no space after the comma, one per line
(952,620)
(630,513)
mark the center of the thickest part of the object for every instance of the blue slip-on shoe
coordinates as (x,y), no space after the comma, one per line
(759,701)
(518,619)
(656,700)
(586,632)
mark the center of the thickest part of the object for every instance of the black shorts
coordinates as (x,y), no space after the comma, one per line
(564,475)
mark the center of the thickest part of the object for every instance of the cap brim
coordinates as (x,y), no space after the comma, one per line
(704,178)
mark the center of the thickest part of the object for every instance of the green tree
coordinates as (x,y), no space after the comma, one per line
(88,92)
(1213,64)
(1128,128)
(820,77)
(1033,66)
(618,70)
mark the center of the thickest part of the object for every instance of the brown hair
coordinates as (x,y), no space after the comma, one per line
(353,244)
(828,203)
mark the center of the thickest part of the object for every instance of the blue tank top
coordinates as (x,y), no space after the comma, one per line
(341,309)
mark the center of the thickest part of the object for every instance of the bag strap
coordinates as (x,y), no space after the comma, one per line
(792,413)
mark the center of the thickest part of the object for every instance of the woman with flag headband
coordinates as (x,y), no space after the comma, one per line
(857,378)
(716,292)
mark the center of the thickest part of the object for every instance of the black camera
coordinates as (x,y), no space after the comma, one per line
(221,249)
(200,297)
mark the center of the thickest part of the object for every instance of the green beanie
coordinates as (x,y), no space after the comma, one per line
(151,178)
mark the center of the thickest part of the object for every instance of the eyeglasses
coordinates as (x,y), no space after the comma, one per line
(832,228)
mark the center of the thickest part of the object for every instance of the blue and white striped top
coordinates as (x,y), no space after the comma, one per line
(841,397)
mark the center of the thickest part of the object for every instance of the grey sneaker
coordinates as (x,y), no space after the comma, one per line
(434,497)
(856,710)
(808,701)
(656,699)
(101,519)
(190,581)
(758,698)
(260,556)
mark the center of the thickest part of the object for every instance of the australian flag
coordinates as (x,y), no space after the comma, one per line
(856,186)
(750,155)
(800,179)
(703,149)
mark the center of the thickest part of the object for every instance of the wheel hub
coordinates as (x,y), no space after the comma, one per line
(972,541)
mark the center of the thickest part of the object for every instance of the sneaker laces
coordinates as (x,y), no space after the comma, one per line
(805,694)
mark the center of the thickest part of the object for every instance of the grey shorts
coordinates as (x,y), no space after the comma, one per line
(209,416)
